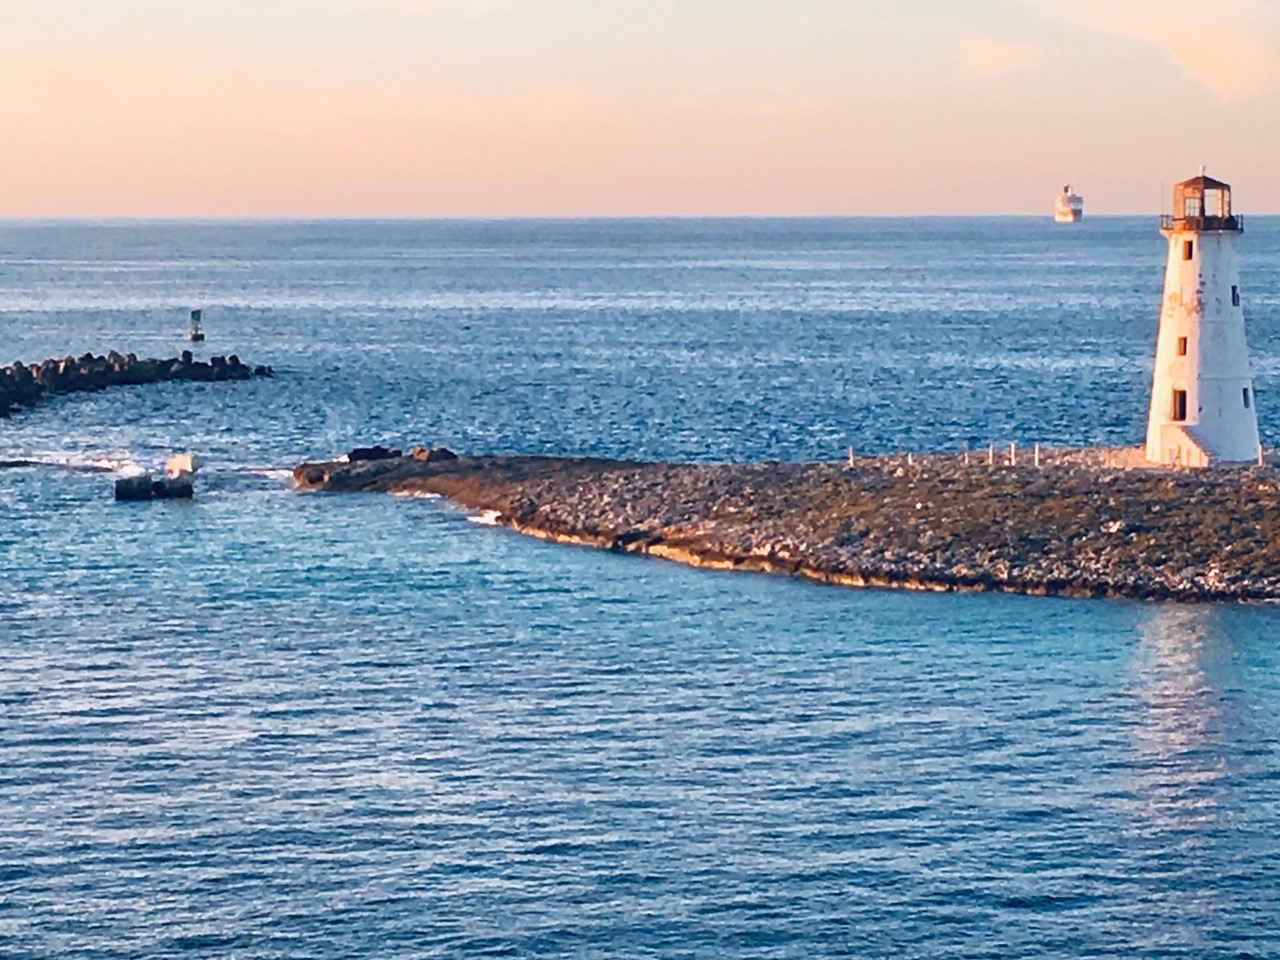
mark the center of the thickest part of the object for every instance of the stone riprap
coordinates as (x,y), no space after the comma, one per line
(24,385)
(1069,527)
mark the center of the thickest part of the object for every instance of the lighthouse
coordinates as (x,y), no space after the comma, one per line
(1202,403)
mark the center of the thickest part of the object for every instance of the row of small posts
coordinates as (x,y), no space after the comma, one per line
(1013,454)
(1010,458)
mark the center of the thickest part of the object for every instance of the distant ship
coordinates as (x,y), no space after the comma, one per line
(1068,207)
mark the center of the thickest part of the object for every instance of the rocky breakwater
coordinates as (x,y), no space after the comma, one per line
(931,524)
(24,385)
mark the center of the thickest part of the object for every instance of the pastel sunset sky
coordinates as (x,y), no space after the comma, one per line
(412,108)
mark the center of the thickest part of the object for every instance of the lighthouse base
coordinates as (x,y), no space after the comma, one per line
(1176,445)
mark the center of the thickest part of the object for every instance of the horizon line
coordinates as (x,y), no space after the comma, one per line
(11,219)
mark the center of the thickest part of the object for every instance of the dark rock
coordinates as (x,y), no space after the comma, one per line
(134,488)
(173,488)
(433,454)
(378,452)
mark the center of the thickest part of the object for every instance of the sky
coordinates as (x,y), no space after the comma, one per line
(492,108)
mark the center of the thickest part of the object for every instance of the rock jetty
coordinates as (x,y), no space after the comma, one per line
(1067,527)
(25,385)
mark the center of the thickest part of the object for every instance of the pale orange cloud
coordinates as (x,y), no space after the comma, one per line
(1231,46)
(468,8)
(987,58)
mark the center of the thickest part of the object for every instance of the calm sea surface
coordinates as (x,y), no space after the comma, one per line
(265,724)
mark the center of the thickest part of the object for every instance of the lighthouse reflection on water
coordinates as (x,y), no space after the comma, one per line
(1181,670)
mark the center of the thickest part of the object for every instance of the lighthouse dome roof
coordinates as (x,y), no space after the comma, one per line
(1204,183)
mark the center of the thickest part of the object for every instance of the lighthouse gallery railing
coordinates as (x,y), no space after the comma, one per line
(1233,223)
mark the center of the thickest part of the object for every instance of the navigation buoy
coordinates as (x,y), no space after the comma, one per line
(196,333)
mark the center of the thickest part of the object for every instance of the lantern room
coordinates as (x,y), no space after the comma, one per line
(1202,203)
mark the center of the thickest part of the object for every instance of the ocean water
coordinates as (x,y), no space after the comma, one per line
(266,724)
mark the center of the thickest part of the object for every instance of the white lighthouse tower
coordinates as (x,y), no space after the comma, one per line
(1202,404)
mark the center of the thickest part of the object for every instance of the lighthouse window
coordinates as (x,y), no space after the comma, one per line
(1179,405)
(1246,398)
(1188,249)
(1182,346)
(1235,296)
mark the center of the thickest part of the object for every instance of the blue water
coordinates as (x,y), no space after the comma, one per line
(265,724)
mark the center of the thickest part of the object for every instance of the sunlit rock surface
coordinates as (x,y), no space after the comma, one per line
(1078,524)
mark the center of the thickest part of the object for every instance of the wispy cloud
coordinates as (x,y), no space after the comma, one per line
(1231,46)
(987,58)
(468,8)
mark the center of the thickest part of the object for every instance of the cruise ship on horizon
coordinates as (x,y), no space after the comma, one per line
(1068,207)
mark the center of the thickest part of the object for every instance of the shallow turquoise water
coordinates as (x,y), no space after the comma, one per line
(271,724)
